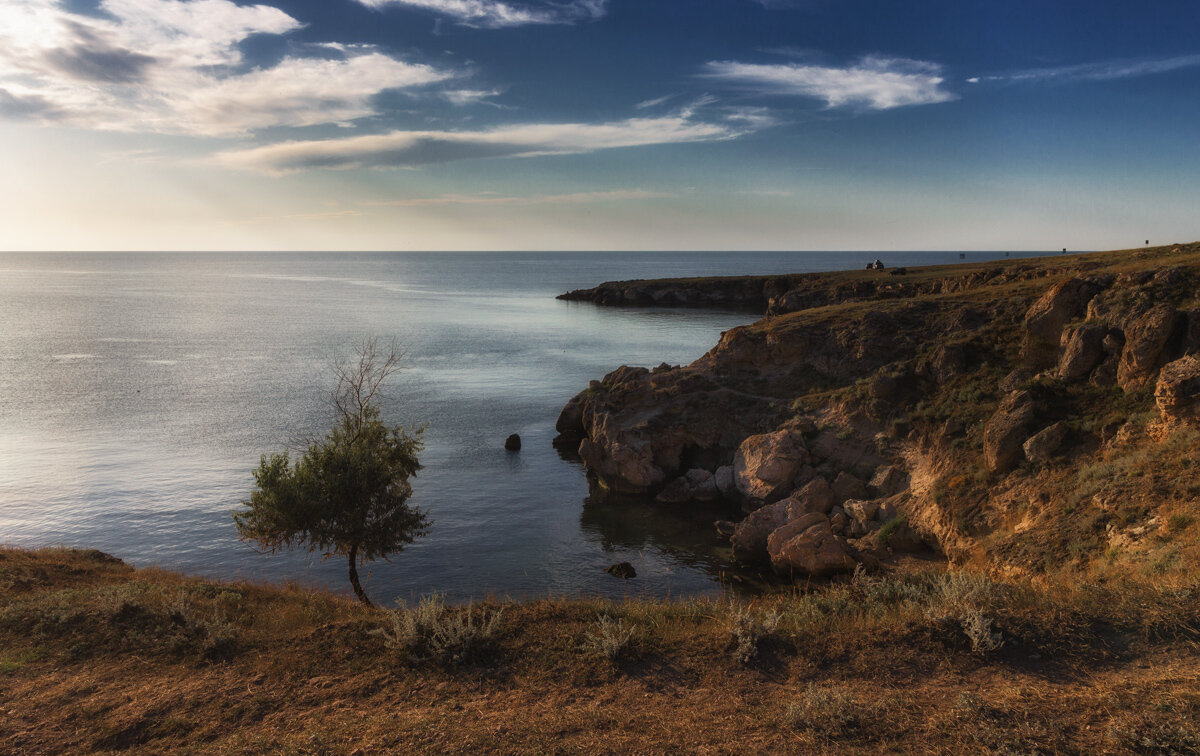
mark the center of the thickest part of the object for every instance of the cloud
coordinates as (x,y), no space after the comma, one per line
(416,148)
(176,67)
(577,198)
(653,103)
(873,82)
(497,14)
(463,97)
(1097,71)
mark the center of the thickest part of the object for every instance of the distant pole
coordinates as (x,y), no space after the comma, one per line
(1147,242)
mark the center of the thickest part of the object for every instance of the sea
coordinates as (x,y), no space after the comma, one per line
(139,390)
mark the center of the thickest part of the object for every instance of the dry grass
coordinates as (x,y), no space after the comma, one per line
(98,657)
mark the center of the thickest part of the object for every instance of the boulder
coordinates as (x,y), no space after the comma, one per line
(695,485)
(1145,341)
(766,464)
(749,537)
(888,480)
(1083,352)
(570,420)
(1007,430)
(815,496)
(1042,446)
(1177,392)
(847,486)
(703,485)
(628,466)
(1044,321)
(723,479)
(808,546)
(861,510)
(513,443)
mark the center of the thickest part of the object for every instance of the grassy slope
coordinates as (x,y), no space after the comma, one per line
(99,657)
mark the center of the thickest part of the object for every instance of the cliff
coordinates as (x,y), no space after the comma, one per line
(1029,415)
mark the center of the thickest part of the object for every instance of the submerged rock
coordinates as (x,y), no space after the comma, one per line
(623,570)
(513,443)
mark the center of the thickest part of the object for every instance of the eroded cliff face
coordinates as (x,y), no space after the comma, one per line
(953,411)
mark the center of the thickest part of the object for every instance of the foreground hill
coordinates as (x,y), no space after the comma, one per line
(1024,415)
(96,657)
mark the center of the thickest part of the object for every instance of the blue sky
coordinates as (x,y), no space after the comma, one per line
(598,124)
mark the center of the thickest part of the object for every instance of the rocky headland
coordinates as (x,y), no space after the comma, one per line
(1026,415)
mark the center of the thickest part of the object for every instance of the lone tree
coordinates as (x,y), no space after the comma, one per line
(348,495)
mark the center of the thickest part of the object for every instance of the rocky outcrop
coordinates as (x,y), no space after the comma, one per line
(1177,393)
(766,464)
(1007,430)
(1145,345)
(1044,321)
(855,379)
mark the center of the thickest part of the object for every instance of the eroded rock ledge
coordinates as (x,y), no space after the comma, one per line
(864,418)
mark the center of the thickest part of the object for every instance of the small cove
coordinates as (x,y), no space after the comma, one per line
(140,390)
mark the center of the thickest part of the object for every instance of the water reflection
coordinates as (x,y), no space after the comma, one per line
(685,534)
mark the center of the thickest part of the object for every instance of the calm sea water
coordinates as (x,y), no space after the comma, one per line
(137,392)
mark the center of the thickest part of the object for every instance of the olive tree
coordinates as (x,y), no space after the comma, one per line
(348,494)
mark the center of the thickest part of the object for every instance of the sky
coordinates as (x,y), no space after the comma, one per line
(598,124)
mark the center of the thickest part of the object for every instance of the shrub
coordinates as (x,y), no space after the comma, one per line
(431,630)
(748,628)
(611,638)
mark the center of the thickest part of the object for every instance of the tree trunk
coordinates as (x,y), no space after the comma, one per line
(358,590)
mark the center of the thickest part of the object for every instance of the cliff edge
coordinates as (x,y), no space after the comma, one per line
(1027,414)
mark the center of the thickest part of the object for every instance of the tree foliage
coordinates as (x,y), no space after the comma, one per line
(348,494)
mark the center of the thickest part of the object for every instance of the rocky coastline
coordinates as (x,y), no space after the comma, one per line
(963,410)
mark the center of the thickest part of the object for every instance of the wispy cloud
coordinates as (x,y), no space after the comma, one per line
(873,82)
(576,198)
(463,97)
(653,103)
(169,66)
(1097,71)
(416,148)
(497,14)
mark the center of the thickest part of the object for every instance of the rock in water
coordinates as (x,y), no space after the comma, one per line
(623,570)
(513,443)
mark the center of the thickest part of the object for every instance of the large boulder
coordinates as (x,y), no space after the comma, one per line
(1083,352)
(808,546)
(1177,392)
(1044,321)
(1007,430)
(816,496)
(627,467)
(1043,445)
(765,465)
(1145,343)
(749,539)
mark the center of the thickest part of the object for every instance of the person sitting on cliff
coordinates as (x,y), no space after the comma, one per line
(877,265)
